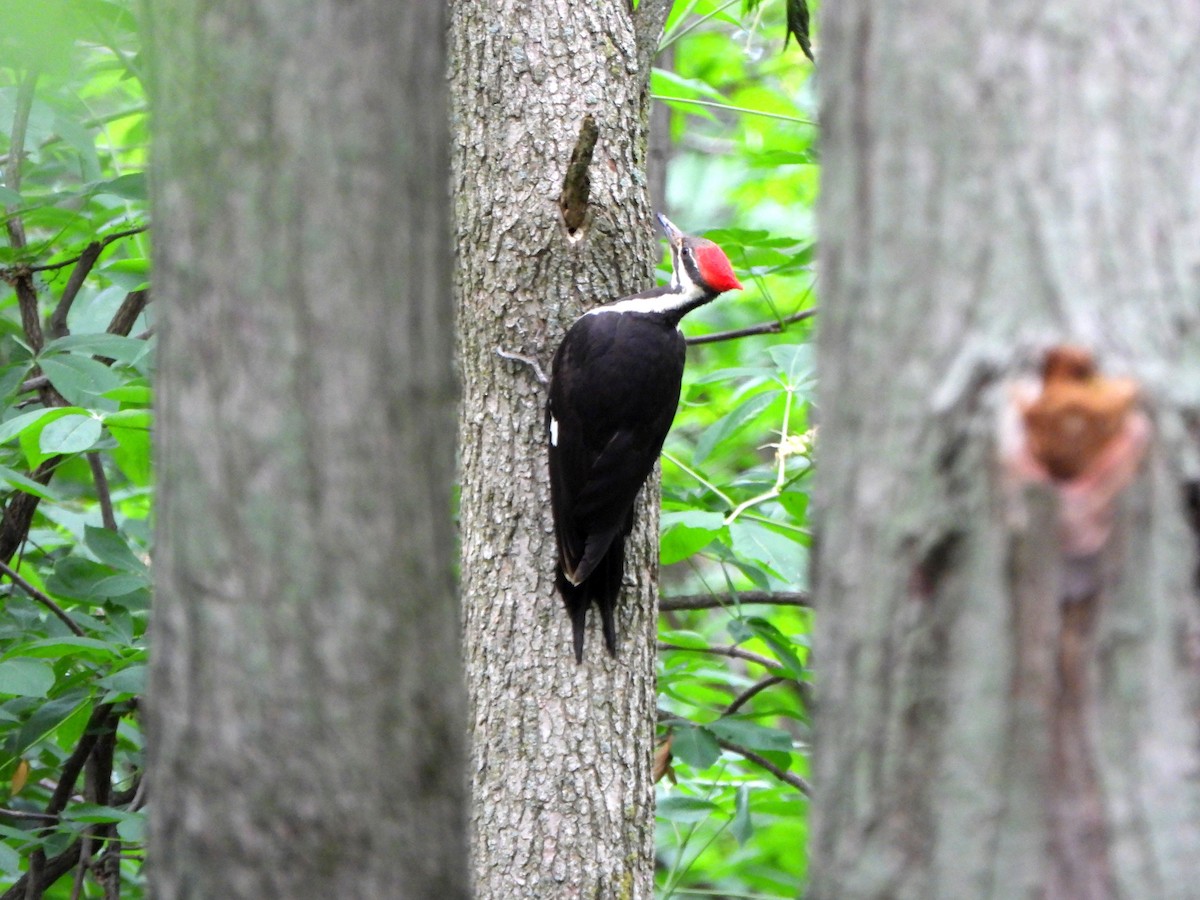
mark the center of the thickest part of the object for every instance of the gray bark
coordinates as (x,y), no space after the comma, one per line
(999,178)
(306,712)
(563,800)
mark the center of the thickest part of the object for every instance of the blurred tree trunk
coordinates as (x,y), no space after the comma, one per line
(563,799)
(306,706)
(999,178)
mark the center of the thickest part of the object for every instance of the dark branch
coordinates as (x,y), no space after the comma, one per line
(714,601)
(102,492)
(40,597)
(762,762)
(103,243)
(18,512)
(84,263)
(131,307)
(744,697)
(23,282)
(577,185)
(731,652)
(776,327)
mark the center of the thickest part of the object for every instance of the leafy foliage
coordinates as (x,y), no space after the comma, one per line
(734,676)
(76,356)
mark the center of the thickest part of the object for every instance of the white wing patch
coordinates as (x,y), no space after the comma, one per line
(553,432)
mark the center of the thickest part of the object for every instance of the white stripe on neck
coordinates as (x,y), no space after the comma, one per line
(664,303)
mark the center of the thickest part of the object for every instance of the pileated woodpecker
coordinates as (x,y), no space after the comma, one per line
(614,387)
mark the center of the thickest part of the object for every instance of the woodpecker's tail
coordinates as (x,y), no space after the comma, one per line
(601,587)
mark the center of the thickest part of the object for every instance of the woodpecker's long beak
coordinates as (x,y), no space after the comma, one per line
(674,235)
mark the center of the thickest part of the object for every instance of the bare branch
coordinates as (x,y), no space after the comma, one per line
(40,598)
(714,601)
(103,242)
(762,762)
(731,652)
(775,327)
(23,282)
(131,307)
(102,492)
(744,697)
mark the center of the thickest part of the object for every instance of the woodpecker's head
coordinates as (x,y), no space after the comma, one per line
(698,265)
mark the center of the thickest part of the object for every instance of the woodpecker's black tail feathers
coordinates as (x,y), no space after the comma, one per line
(601,587)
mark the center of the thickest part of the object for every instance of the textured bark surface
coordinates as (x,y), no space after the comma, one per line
(998,178)
(563,800)
(307,712)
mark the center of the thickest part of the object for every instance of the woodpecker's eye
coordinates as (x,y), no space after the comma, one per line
(687,252)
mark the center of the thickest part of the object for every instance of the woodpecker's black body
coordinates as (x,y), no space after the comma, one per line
(613,393)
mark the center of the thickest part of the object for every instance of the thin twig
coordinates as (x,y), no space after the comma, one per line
(23,283)
(715,601)
(745,696)
(777,326)
(731,652)
(122,321)
(40,598)
(762,762)
(103,243)
(102,492)
(26,814)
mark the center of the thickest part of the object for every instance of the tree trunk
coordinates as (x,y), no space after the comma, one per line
(563,799)
(1000,178)
(306,708)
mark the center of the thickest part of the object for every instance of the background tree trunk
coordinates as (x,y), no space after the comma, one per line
(563,799)
(999,178)
(306,706)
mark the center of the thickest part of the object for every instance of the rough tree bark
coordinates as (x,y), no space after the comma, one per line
(563,800)
(306,707)
(999,178)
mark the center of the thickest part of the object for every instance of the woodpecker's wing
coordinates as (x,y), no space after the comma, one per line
(614,390)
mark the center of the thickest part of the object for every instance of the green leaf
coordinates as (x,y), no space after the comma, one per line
(129,187)
(70,434)
(9,197)
(132,828)
(742,827)
(22,482)
(128,682)
(79,378)
(795,361)
(694,745)
(115,346)
(10,860)
(111,548)
(25,678)
(781,647)
(55,648)
(17,425)
(750,735)
(681,809)
(685,533)
(729,424)
(131,430)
